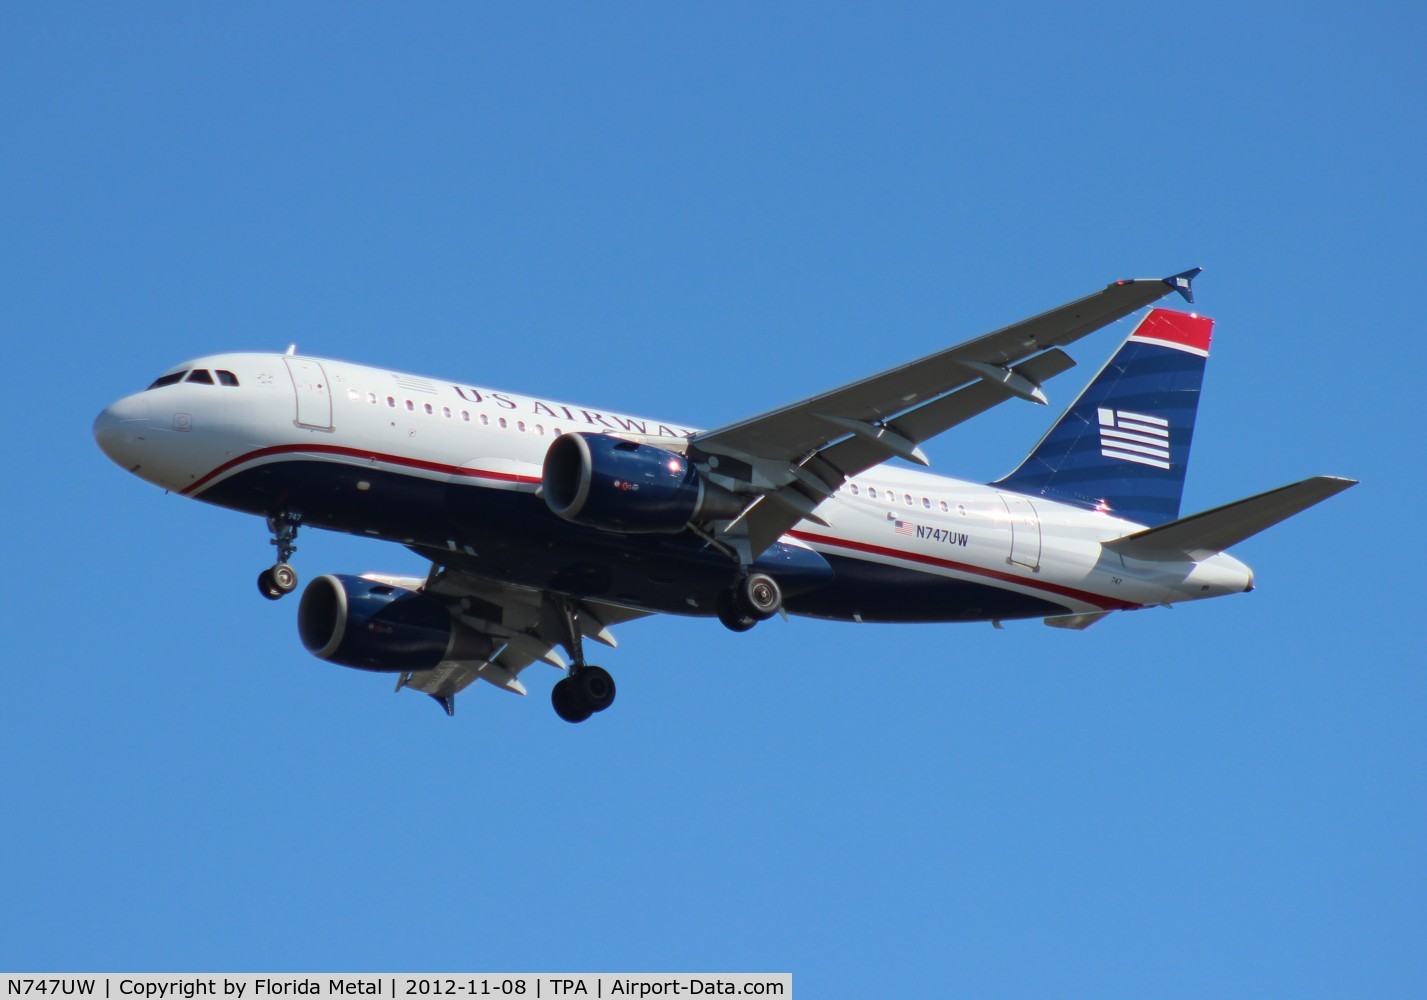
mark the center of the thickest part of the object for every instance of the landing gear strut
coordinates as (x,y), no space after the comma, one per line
(281,578)
(753,599)
(588,689)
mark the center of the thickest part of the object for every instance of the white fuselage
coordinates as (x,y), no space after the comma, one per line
(191,438)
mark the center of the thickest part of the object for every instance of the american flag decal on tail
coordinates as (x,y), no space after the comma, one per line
(1134,437)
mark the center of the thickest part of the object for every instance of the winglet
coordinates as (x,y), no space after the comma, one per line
(1181,283)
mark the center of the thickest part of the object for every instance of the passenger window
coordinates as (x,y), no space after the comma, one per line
(485,420)
(466,416)
(446,412)
(410,406)
(944,507)
(854,489)
(502,423)
(391,401)
(429,410)
(926,503)
(872,492)
(226,378)
(201,376)
(164,380)
(353,395)
(908,498)
(520,426)
(371,397)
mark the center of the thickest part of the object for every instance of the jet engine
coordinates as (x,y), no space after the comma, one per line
(356,622)
(617,485)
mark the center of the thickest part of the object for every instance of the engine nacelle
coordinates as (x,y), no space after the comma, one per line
(617,485)
(368,625)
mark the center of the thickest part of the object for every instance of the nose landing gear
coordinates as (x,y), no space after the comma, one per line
(281,578)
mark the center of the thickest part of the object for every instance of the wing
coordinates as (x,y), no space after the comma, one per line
(513,628)
(789,460)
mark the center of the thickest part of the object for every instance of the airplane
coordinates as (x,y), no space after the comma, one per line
(546,524)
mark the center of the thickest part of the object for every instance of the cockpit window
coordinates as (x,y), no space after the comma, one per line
(200,375)
(226,378)
(168,379)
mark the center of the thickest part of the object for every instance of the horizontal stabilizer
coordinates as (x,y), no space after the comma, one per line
(1215,530)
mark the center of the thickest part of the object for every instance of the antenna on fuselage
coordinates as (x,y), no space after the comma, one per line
(291,350)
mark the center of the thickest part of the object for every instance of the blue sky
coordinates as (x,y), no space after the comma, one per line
(699,212)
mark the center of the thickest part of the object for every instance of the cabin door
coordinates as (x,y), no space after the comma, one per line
(1025,531)
(314,394)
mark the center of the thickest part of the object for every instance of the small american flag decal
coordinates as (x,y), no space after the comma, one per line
(1134,437)
(904,527)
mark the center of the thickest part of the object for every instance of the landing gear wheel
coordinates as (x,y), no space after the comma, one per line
(268,587)
(596,687)
(284,577)
(569,701)
(758,596)
(733,619)
(275,582)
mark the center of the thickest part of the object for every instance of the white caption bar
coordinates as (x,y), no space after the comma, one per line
(396,986)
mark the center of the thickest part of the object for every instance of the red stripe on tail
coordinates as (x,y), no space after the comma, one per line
(1185,329)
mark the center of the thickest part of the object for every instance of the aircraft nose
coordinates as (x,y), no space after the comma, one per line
(120,428)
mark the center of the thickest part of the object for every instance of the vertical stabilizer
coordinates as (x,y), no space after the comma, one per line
(1123,446)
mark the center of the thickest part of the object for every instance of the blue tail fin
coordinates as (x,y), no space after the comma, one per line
(1123,446)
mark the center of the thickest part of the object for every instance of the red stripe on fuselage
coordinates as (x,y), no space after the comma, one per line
(364,455)
(1108,603)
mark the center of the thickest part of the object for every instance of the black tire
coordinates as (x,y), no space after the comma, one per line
(283,577)
(758,596)
(267,586)
(596,687)
(733,619)
(569,703)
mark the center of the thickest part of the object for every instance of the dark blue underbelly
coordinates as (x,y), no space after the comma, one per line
(512,537)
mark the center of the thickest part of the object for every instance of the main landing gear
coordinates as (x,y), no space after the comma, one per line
(281,578)
(753,599)
(587,689)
